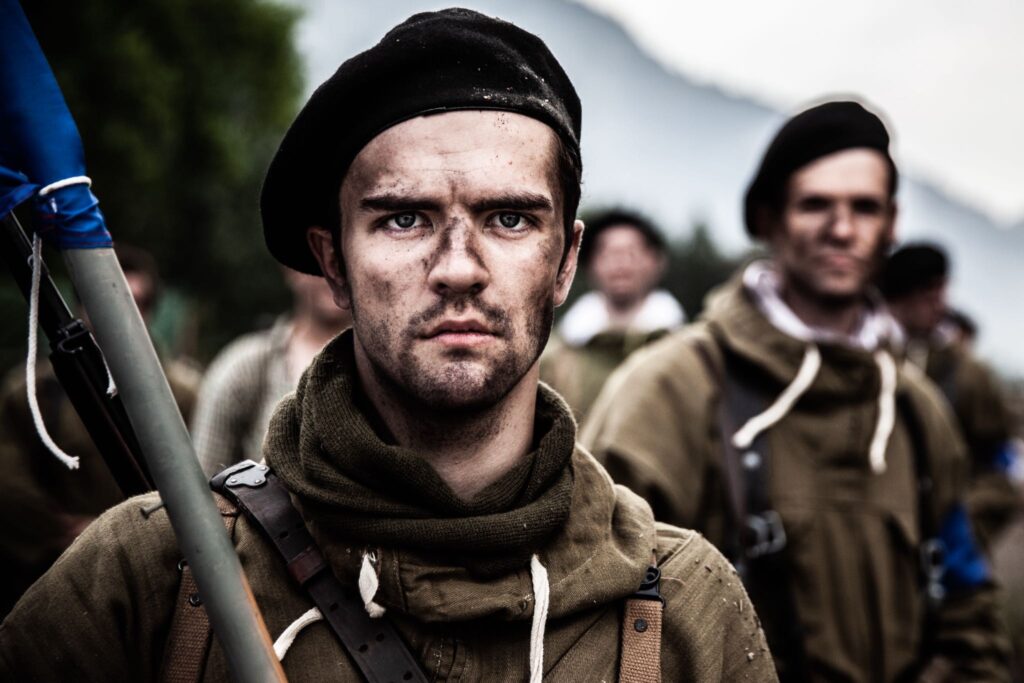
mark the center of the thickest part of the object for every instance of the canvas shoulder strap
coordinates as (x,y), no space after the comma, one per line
(374,645)
(189,639)
(641,632)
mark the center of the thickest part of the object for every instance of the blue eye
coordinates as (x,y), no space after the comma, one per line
(510,220)
(404,220)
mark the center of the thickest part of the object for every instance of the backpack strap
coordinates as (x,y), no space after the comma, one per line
(756,541)
(373,644)
(641,632)
(189,640)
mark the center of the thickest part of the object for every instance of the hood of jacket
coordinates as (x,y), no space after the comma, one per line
(736,315)
(439,559)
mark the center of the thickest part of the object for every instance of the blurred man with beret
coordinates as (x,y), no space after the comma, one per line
(433,180)
(782,428)
(915,282)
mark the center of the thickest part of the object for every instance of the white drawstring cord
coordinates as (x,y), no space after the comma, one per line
(886,411)
(809,367)
(30,362)
(368,585)
(541,598)
(285,640)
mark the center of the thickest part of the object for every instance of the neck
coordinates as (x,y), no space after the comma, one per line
(469,449)
(308,335)
(622,313)
(835,315)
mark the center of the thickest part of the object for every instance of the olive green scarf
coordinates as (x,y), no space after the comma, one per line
(362,490)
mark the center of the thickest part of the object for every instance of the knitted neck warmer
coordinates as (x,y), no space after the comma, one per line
(361,490)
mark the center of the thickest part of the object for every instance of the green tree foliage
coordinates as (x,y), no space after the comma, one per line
(695,267)
(180,104)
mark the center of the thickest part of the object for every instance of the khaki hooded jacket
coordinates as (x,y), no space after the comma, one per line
(103,612)
(853,532)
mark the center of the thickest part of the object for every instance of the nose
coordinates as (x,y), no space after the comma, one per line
(457,266)
(841,225)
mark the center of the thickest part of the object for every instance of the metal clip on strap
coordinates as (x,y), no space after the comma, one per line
(374,644)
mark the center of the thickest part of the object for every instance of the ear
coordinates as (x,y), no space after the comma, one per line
(890,230)
(321,243)
(568,270)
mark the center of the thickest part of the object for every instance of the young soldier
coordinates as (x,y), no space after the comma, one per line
(624,258)
(781,427)
(914,284)
(433,180)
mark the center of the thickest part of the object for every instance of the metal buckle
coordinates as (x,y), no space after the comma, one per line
(767,534)
(933,567)
(246,473)
(650,588)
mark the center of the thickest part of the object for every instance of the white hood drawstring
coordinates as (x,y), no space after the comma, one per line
(368,585)
(285,640)
(541,598)
(809,367)
(886,411)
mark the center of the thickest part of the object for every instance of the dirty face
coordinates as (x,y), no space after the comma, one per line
(624,267)
(452,241)
(835,225)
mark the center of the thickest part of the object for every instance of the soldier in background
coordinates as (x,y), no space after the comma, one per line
(44,506)
(248,378)
(624,258)
(781,426)
(915,283)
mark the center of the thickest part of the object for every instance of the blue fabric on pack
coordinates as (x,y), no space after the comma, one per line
(965,567)
(39,142)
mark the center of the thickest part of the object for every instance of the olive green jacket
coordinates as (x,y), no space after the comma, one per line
(982,415)
(103,612)
(577,373)
(854,535)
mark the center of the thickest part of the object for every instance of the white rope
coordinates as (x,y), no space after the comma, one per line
(746,434)
(368,585)
(67,182)
(285,640)
(541,598)
(886,411)
(30,362)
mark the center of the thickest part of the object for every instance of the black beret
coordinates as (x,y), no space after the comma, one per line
(912,268)
(454,59)
(810,135)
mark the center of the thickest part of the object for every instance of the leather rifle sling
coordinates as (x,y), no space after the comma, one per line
(374,644)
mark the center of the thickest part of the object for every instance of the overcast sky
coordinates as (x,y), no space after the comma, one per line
(948,73)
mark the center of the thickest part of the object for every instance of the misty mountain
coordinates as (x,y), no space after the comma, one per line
(682,151)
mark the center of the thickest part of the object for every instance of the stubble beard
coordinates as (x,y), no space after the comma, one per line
(463,382)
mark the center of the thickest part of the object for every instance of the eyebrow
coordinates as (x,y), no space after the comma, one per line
(516,201)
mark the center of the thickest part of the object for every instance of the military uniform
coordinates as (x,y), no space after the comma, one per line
(980,409)
(585,351)
(852,526)
(454,576)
